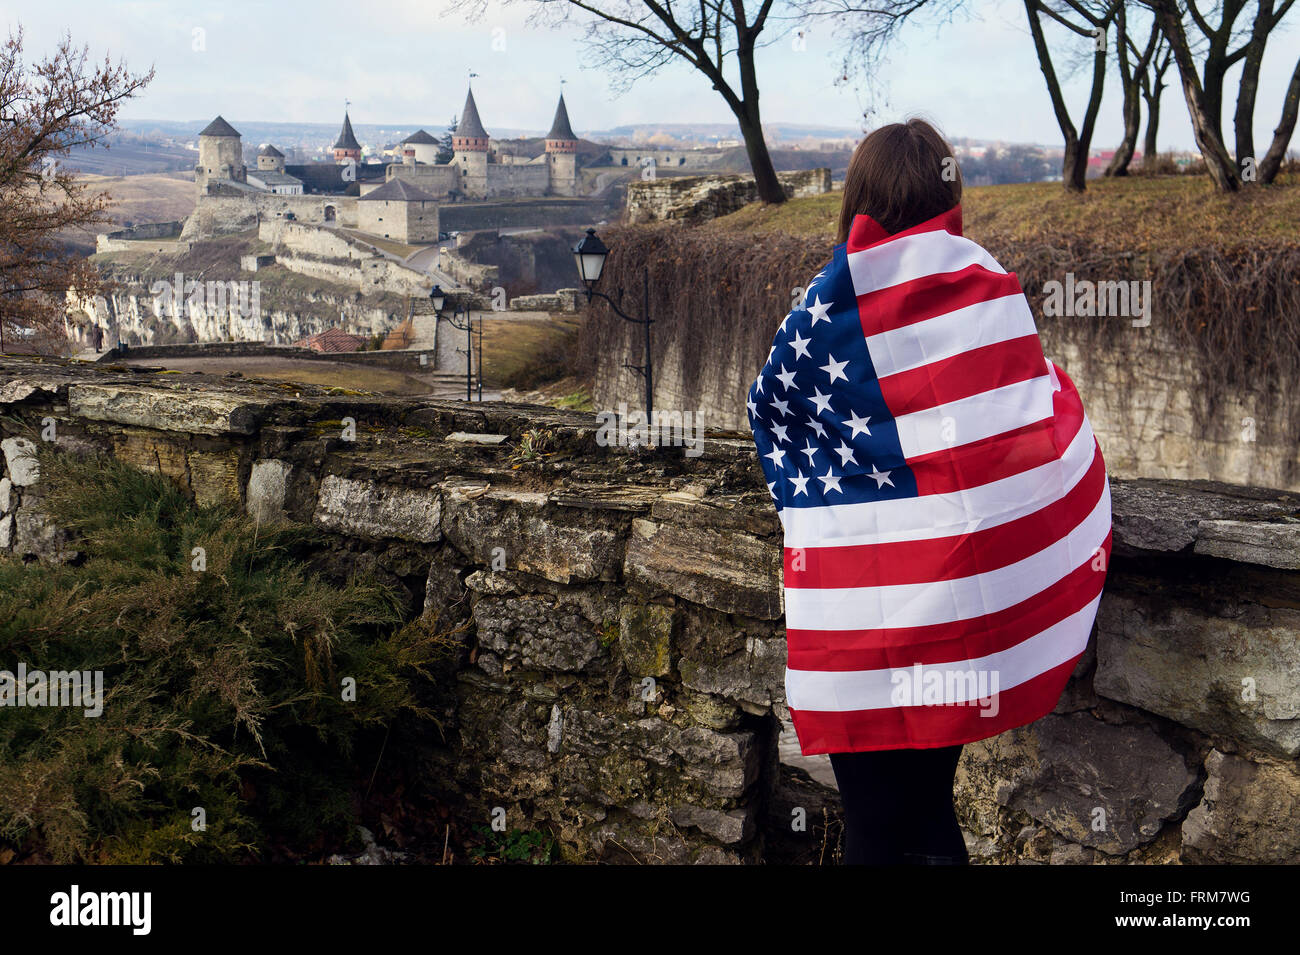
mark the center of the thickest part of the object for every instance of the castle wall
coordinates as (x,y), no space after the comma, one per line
(438,181)
(530,180)
(223,215)
(563,173)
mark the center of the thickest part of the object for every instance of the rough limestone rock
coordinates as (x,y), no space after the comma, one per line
(1251,542)
(6,495)
(645,636)
(727,570)
(522,530)
(1247,815)
(536,633)
(1112,788)
(202,412)
(6,531)
(267,484)
(1190,666)
(20,456)
(375,510)
(35,535)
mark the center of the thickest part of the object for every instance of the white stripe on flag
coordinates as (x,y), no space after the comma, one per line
(946,601)
(914,257)
(975,418)
(984,323)
(942,515)
(848,690)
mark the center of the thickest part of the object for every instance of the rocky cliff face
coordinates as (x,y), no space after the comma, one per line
(621,682)
(150,306)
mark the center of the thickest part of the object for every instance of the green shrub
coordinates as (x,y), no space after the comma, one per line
(222,686)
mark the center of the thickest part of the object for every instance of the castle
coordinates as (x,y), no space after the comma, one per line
(396,200)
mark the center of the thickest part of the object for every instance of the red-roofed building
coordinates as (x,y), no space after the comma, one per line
(331,340)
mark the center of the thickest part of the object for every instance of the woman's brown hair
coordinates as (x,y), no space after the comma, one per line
(901,175)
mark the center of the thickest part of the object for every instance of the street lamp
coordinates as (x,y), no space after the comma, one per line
(590,255)
(438,298)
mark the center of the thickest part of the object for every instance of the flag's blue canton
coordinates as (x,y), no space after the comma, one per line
(823,431)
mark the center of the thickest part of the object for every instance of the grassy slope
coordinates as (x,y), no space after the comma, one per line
(1134,214)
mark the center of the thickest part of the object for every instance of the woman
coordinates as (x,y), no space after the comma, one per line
(944,502)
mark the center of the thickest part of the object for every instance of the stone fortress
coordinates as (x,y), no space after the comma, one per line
(390,200)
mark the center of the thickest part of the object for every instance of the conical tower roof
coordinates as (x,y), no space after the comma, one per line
(219,127)
(560,128)
(470,126)
(346,139)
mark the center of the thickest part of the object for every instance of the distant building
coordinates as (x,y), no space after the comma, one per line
(220,154)
(279,183)
(399,210)
(666,159)
(270,159)
(331,340)
(346,146)
(420,147)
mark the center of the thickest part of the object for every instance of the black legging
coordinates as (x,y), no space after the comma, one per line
(898,807)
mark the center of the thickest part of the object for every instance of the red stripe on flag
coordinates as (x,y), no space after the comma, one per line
(931,296)
(945,558)
(974,637)
(961,376)
(992,459)
(924,727)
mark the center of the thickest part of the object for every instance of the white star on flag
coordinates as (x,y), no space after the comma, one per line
(881,477)
(830,482)
(800,346)
(846,454)
(800,484)
(781,406)
(787,379)
(776,455)
(835,369)
(857,424)
(823,402)
(810,451)
(818,311)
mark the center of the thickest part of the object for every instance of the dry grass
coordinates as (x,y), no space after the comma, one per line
(303,371)
(1134,214)
(512,345)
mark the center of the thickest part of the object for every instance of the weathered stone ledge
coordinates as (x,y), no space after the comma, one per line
(623,676)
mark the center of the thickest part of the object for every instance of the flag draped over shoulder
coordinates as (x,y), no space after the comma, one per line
(944,501)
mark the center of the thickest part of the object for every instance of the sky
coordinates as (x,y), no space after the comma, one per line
(406,62)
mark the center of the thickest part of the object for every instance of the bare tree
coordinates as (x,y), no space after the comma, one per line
(719,38)
(1134,67)
(1092,21)
(47,109)
(1153,89)
(1186,27)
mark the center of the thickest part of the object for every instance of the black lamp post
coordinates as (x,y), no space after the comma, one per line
(459,319)
(590,255)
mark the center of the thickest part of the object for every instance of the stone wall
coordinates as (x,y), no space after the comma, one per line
(621,683)
(1142,402)
(224,215)
(695,198)
(329,254)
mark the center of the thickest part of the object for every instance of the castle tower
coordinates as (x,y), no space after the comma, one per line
(346,146)
(562,153)
(270,159)
(470,150)
(221,155)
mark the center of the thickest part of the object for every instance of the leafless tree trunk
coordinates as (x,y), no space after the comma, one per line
(1134,77)
(1272,161)
(1205,125)
(1095,26)
(1153,89)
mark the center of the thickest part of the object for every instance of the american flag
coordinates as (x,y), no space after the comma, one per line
(944,501)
